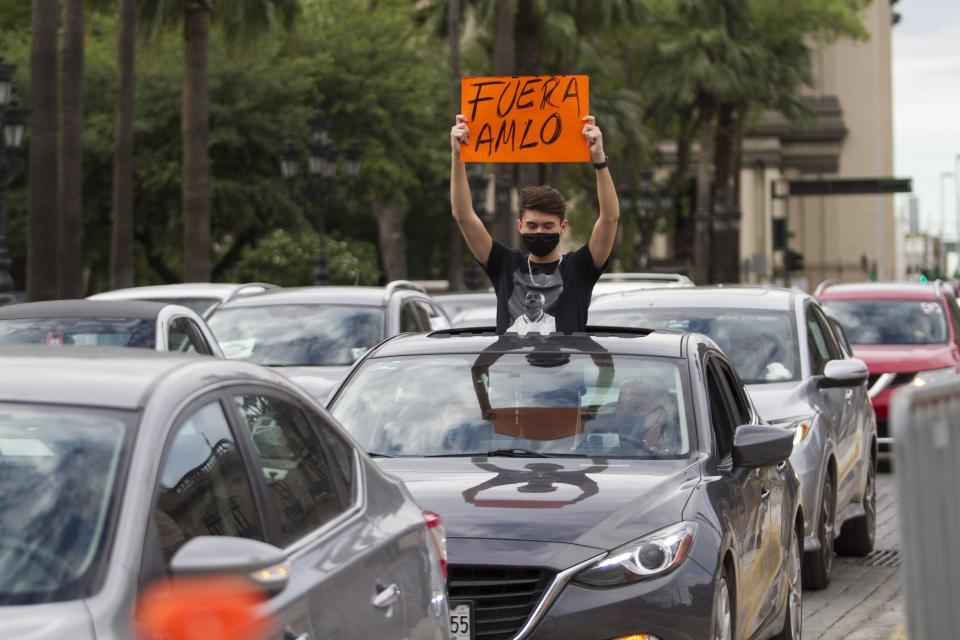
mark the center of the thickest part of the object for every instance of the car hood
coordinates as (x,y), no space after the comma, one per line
(777,402)
(47,622)
(904,358)
(597,503)
(319,381)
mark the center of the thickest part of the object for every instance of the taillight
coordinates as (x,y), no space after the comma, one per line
(438,536)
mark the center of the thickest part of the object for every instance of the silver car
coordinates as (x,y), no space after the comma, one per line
(800,376)
(120,467)
(202,297)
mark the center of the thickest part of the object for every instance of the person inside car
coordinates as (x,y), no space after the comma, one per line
(643,419)
(564,281)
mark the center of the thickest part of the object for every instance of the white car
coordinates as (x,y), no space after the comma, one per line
(620,282)
(202,297)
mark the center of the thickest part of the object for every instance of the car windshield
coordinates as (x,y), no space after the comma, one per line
(59,479)
(891,321)
(548,404)
(761,344)
(84,332)
(198,305)
(309,335)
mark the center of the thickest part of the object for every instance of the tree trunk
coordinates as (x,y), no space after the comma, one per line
(504,63)
(455,256)
(527,37)
(121,240)
(393,241)
(44,174)
(196,160)
(71,154)
(726,262)
(702,218)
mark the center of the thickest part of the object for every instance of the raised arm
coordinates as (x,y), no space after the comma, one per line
(605,230)
(461,202)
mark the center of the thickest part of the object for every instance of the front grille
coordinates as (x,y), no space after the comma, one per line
(503,597)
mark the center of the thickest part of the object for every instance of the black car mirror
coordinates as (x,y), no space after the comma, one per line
(849,372)
(760,445)
(224,556)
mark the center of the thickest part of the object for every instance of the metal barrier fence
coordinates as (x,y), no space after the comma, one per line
(925,423)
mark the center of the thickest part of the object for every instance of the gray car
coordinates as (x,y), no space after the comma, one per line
(800,374)
(602,485)
(313,334)
(120,467)
(97,323)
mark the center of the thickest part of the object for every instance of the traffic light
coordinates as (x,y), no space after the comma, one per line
(792,260)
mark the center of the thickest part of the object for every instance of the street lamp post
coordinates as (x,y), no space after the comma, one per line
(13,122)
(322,160)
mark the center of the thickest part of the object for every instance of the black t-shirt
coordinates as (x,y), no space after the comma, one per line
(541,297)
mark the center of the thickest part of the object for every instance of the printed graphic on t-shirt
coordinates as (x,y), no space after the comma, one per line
(533,301)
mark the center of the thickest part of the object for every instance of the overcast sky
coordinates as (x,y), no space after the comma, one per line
(926,93)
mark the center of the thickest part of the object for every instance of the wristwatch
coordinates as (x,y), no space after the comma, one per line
(602,165)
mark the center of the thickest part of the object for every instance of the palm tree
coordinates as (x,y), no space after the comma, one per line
(240,20)
(44,174)
(70,258)
(121,241)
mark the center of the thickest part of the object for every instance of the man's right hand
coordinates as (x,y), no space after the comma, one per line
(459,135)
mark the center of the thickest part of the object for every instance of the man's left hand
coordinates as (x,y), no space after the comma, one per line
(594,138)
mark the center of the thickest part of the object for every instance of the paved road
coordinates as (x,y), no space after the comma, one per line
(864,600)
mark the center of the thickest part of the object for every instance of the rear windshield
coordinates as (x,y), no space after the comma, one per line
(597,405)
(83,332)
(891,321)
(60,472)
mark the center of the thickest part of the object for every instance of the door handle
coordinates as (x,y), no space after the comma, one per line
(848,395)
(386,596)
(765,494)
(290,634)
(781,466)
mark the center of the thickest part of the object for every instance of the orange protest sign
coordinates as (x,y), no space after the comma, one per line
(525,118)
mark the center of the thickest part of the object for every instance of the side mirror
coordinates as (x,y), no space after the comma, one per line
(851,372)
(760,445)
(223,556)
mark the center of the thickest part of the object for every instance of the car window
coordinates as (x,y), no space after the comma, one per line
(435,319)
(891,321)
(833,346)
(816,344)
(741,405)
(184,336)
(954,316)
(341,453)
(721,420)
(80,332)
(410,319)
(297,472)
(204,489)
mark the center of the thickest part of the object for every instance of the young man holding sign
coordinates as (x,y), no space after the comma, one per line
(544,290)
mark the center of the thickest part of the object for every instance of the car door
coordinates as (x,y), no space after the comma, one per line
(340,560)
(208,486)
(772,492)
(749,515)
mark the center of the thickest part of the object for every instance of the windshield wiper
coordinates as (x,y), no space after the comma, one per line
(374,454)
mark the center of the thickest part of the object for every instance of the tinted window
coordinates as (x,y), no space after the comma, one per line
(341,454)
(762,345)
(297,335)
(85,332)
(816,343)
(563,404)
(204,489)
(293,464)
(891,321)
(409,319)
(721,421)
(183,336)
(741,406)
(60,478)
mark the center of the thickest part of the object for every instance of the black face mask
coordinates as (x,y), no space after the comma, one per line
(540,244)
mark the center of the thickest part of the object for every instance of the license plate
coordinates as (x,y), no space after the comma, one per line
(461,621)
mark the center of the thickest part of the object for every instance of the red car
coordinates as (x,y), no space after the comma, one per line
(907,333)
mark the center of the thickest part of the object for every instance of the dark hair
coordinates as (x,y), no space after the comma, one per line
(544,199)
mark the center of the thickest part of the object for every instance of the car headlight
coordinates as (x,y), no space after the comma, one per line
(925,377)
(650,556)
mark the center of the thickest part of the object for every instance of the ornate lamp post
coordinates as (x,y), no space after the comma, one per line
(13,122)
(322,169)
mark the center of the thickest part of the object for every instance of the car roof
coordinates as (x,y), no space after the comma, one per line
(741,297)
(474,341)
(364,296)
(83,309)
(874,290)
(465,295)
(217,290)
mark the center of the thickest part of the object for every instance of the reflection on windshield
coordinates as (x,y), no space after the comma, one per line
(534,478)
(58,477)
(762,345)
(298,335)
(890,321)
(81,332)
(598,405)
